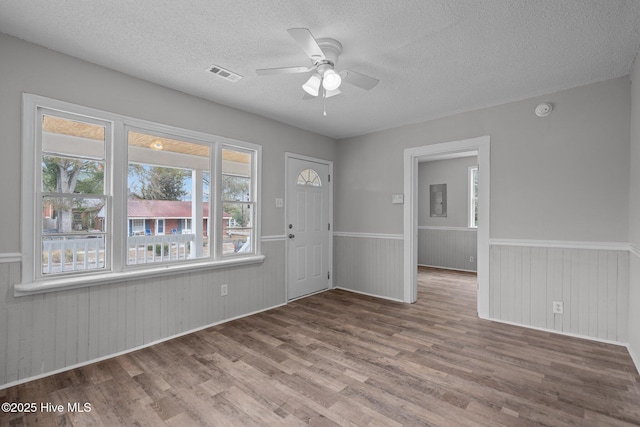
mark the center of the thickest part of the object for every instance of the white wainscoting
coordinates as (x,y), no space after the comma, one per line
(369,263)
(591,279)
(49,332)
(448,247)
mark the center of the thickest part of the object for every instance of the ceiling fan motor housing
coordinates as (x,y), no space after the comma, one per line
(331,49)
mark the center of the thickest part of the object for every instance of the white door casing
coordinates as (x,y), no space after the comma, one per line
(441,151)
(308,225)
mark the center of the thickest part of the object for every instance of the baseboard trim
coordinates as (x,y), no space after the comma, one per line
(120,353)
(447,268)
(553,331)
(368,294)
(635,358)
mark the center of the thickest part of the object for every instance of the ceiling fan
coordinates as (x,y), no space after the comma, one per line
(324,57)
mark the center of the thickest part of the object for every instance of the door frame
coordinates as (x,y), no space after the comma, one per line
(329,163)
(412,156)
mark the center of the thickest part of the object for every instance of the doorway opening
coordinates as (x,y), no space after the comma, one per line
(479,146)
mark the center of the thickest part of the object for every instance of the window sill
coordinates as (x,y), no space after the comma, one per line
(66,283)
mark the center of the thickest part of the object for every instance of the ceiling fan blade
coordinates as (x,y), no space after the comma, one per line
(284,70)
(307,43)
(358,79)
(308,96)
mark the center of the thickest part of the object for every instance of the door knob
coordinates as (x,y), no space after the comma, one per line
(291,236)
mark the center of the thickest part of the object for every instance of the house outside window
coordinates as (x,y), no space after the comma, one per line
(94,168)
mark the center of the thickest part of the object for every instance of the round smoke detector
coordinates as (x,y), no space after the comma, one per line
(544,109)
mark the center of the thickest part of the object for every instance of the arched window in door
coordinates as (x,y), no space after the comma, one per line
(309,177)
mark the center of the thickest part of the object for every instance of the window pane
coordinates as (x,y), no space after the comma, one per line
(73,228)
(62,254)
(72,175)
(165,176)
(72,138)
(238,201)
(236,162)
(64,215)
(237,227)
(309,177)
(473,196)
(236,188)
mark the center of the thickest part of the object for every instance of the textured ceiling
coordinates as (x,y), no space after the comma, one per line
(433,57)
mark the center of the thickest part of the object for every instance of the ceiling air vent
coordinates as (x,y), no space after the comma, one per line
(224,73)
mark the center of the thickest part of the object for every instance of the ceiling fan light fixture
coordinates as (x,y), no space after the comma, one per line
(312,86)
(331,80)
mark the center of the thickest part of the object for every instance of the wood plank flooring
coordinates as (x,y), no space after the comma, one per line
(340,358)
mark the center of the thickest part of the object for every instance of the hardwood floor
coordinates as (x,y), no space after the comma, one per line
(340,358)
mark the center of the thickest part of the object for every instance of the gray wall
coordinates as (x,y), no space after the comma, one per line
(563,177)
(46,332)
(634,218)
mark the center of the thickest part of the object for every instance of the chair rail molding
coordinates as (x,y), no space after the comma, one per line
(566,244)
(369,235)
(8,257)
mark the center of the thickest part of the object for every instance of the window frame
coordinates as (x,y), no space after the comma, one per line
(116,160)
(472,211)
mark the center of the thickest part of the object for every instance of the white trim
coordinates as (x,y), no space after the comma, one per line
(634,249)
(447,268)
(412,156)
(435,227)
(369,235)
(276,238)
(97,279)
(566,244)
(553,331)
(368,294)
(131,350)
(9,257)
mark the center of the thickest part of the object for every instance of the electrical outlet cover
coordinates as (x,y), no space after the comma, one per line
(558,307)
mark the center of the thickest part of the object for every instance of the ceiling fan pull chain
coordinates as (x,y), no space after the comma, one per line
(324,102)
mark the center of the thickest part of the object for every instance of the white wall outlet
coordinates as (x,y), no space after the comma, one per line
(279,202)
(224,290)
(397,199)
(470,259)
(558,307)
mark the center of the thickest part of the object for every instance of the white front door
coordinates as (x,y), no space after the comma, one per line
(308,227)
